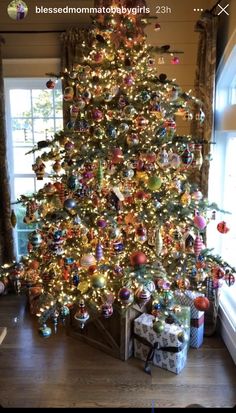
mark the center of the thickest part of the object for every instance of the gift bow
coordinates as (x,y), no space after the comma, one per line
(153,348)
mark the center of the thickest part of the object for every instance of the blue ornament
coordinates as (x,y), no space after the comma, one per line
(111,131)
(45,331)
(157,306)
(70,124)
(118,246)
(64,311)
(76,279)
(69,203)
(68,261)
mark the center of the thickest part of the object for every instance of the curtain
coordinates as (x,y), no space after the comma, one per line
(6,233)
(205,91)
(202,132)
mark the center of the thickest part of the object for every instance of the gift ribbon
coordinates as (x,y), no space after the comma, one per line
(153,348)
(197,322)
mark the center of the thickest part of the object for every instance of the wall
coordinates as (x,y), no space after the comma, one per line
(226,34)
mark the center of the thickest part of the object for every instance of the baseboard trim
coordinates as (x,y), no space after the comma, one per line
(228,333)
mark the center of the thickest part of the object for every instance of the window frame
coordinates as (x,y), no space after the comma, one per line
(225,83)
(30,83)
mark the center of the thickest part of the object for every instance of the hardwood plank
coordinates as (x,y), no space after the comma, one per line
(63,372)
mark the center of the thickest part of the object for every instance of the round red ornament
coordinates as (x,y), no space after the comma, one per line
(138,258)
(222,227)
(50,84)
(201,303)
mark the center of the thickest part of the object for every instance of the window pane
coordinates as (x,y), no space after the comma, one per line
(42,103)
(22,162)
(40,184)
(21,131)
(23,242)
(43,127)
(23,186)
(20,211)
(20,103)
(59,124)
(58,103)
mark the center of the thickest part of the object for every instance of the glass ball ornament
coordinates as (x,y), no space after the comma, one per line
(87,260)
(45,331)
(69,203)
(166,298)
(154,183)
(138,258)
(132,139)
(142,295)
(123,127)
(197,195)
(201,303)
(98,281)
(50,84)
(97,115)
(175,60)
(222,227)
(126,295)
(158,326)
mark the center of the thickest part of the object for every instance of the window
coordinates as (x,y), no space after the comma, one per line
(33,113)
(223,177)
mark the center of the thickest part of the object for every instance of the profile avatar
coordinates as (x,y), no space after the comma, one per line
(17,10)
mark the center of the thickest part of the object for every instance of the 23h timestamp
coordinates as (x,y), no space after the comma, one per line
(163,9)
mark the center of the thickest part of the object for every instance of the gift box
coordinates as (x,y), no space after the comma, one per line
(113,335)
(181,315)
(187,298)
(167,350)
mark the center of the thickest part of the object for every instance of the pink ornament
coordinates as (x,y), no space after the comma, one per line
(117,156)
(129,80)
(199,222)
(97,115)
(198,245)
(175,60)
(197,195)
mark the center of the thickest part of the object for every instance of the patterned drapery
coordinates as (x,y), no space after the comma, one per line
(6,234)
(205,91)
(207,28)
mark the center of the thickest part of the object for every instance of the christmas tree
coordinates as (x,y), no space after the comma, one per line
(120,221)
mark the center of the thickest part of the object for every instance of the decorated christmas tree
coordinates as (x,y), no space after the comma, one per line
(120,221)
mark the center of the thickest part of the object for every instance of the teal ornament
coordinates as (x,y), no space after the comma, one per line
(144,96)
(45,331)
(166,298)
(64,312)
(72,180)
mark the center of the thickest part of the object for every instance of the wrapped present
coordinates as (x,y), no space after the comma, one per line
(167,350)
(181,316)
(187,298)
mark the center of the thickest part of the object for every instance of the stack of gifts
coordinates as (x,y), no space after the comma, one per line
(166,349)
(187,298)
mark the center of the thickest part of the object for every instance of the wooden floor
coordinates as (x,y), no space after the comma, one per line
(60,371)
